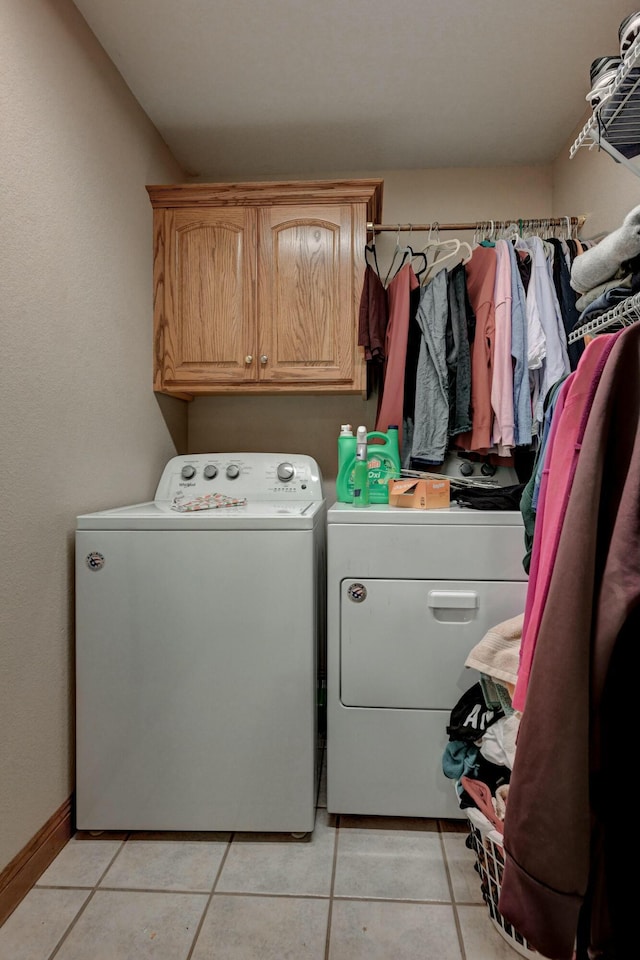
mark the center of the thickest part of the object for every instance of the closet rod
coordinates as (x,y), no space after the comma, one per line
(577,222)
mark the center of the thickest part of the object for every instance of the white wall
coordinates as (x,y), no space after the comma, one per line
(310,424)
(80,427)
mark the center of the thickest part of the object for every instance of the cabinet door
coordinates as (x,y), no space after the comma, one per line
(205,297)
(306,314)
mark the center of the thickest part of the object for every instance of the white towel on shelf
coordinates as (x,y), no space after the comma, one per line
(602,261)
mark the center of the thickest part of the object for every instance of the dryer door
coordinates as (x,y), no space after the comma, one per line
(403,643)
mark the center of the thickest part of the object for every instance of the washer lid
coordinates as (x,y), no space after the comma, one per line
(159,515)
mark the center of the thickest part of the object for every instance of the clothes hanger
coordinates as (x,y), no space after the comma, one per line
(425,263)
(450,248)
(454,248)
(482,232)
(446,250)
(467,250)
(370,250)
(509,232)
(488,240)
(403,258)
(416,255)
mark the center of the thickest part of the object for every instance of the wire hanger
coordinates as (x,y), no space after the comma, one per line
(425,263)
(370,250)
(397,252)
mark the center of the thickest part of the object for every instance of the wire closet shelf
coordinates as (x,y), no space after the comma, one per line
(622,315)
(615,122)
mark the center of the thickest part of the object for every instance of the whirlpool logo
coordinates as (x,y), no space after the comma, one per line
(357,592)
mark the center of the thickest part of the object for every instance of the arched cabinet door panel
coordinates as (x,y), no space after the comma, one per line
(205,322)
(305,320)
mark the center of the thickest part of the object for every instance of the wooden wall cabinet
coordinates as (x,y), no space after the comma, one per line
(257,286)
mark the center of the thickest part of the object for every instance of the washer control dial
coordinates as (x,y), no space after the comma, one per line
(188,472)
(233,471)
(210,472)
(285,472)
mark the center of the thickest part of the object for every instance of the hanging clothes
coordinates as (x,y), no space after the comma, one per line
(503,431)
(373,316)
(481,275)
(392,397)
(564,853)
(567,297)
(527,505)
(521,395)
(504,345)
(571,413)
(555,361)
(458,353)
(414,339)
(431,417)
(373,319)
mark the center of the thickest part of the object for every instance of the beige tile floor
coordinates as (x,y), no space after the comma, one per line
(362,888)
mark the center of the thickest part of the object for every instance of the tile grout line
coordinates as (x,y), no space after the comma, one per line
(454,906)
(209,898)
(84,906)
(327,945)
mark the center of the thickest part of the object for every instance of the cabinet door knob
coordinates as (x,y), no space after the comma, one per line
(248,358)
(264,358)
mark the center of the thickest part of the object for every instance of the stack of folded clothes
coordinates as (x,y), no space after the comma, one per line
(608,272)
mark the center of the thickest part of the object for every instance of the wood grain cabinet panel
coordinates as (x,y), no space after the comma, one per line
(305,316)
(204,328)
(257,286)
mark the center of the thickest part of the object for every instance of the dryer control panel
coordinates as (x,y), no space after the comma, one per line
(255,476)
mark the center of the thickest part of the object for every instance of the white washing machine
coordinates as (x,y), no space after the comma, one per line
(198,639)
(409,593)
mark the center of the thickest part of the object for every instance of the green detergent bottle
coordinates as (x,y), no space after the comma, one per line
(347,443)
(383,459)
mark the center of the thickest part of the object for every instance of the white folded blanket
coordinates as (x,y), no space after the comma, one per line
(601,262)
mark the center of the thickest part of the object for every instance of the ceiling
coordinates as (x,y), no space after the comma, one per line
(291,88)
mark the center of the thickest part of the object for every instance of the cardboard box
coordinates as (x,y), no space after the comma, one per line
(428,494)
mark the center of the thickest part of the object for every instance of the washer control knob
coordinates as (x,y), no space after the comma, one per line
(188,472)
(233,471)
(466,469)
(285,472)
(210,472)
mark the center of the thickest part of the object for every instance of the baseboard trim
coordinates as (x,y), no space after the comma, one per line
(19,876)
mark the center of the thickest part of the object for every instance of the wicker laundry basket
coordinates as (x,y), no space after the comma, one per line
(486,843)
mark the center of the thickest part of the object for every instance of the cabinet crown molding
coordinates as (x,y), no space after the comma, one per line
(270,192)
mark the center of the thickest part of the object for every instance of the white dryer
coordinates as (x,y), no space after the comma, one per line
(409,593)
(199,635)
